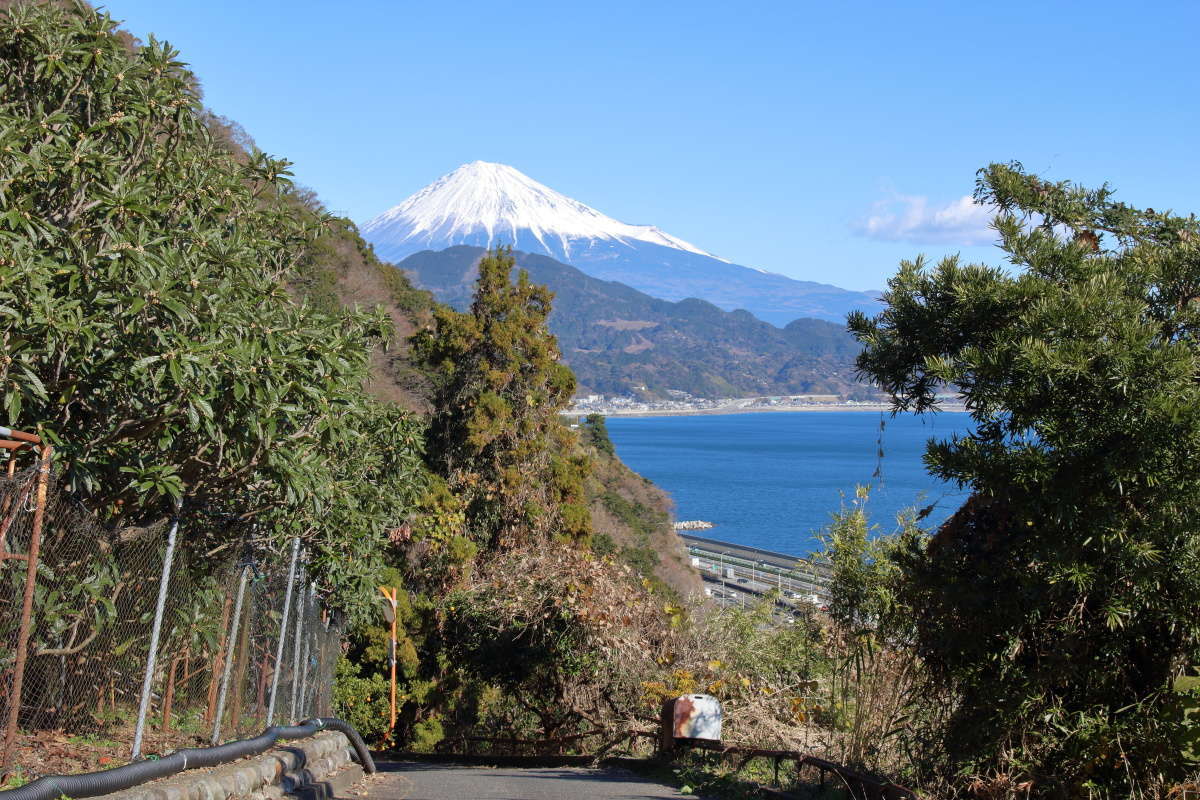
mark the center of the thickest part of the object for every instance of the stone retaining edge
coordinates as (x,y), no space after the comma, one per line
(287,769)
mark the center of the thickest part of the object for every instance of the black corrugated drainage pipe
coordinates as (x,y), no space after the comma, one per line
(93,784)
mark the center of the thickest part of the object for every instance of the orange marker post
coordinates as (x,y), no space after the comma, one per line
(390,612)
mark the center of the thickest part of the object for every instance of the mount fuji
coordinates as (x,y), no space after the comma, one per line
(484,205)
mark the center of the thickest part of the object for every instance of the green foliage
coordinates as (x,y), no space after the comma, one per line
(864,574)
(406,296)
(870,670)
(595,432)
(496,436)
(362,701)
(642,522)
(603,544)
(517,649)
(1062,599)
(426,734)
(14,779)
(144,322)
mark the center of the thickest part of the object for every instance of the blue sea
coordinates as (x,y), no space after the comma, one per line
(772,480)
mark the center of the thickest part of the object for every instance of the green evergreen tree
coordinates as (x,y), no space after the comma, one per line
(1060,603)
(595,428)
(496,435)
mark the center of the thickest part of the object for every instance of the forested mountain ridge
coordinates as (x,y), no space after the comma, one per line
(616,338)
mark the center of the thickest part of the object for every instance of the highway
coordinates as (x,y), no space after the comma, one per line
(739,576)
(756,555)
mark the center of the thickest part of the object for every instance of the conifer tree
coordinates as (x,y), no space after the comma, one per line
(1061,602)
(495,434)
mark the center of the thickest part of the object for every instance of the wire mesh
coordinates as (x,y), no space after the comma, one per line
(93,609)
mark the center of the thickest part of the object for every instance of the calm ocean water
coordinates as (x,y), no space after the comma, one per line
(772,480)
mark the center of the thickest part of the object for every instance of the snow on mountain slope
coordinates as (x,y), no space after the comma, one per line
(483,205)
(506,205)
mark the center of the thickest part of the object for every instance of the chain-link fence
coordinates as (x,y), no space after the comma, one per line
(137,642)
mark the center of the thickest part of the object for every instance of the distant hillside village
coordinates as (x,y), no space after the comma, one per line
(680,402)
(683,403)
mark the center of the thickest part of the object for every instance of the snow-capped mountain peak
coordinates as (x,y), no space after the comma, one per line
(483,205)
(488,204)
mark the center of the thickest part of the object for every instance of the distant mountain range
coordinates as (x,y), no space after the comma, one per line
(484,204)
(618,339)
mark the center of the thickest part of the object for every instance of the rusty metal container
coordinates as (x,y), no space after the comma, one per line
(696,716)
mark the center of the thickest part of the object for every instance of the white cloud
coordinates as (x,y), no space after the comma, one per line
(911,218)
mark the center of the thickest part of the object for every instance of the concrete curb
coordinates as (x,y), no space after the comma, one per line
(296,769)
(333,786)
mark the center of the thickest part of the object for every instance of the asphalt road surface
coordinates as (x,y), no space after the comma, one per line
(416,781)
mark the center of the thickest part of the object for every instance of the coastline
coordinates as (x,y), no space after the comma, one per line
(695,412)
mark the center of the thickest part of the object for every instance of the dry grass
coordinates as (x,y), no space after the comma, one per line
(673,569)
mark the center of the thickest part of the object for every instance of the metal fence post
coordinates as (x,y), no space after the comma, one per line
(297,643)
(152,657)
(31,565)
(308,640)
(283,621)
(230,652)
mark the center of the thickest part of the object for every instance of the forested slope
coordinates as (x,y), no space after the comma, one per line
(631,516)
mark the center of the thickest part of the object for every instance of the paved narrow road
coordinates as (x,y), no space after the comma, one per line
(415,781)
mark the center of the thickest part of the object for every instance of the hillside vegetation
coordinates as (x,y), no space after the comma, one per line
(630,517)
(147,327)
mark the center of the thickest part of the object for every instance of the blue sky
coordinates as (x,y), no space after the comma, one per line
(825,141)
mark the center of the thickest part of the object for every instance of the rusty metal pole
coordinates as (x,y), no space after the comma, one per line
(31,565)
